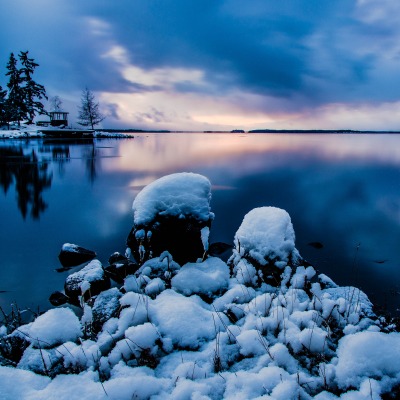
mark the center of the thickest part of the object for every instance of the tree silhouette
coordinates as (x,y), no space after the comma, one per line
(32,92)
(15,100)
(31,178)
(89,114)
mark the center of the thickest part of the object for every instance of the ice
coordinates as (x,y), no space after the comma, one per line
(181,194)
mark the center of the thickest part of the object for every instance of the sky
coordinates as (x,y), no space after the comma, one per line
(215,64)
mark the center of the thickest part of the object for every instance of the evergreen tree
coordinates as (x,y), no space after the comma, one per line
(3,106)
(32,91)
(15,102)
(89,114)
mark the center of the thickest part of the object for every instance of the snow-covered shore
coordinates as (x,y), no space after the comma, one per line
(34,131)
(263,325)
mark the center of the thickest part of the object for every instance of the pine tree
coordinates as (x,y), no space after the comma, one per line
(89,114)
(3,106)
(32,92)
(15,102)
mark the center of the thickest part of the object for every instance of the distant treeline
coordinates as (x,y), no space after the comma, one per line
(315,131)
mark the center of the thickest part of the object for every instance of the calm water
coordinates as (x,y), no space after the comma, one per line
(340,190)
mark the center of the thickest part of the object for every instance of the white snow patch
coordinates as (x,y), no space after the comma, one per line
(179,195)
(266,233)
(54,327)
(208,277)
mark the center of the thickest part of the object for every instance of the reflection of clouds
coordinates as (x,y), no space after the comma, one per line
(140,182)
(390,206)
(171,152)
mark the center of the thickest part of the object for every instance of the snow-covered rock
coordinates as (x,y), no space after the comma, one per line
(87,282)
(172,213)
(203,331)
(54,327)
(206,278)
(72,255)
(264,246)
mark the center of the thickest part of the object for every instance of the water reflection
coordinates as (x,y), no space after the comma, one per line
(340,190)
(31,170)
(31,178)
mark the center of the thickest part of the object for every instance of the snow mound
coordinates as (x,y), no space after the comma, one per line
(208,277)
(266,234)
(187,321)
(208,331)
(368,355)
(55,327)
(179,195)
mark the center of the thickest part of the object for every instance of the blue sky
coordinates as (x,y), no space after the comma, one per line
(209,64)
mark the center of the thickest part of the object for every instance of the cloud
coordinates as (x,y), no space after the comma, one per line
(275,61)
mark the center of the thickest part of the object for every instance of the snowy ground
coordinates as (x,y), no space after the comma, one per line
(210,329)
(34,131)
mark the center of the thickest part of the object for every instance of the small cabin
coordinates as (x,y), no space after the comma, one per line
(58,118)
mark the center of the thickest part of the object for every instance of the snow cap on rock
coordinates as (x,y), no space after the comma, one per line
(266,233)
(179,195)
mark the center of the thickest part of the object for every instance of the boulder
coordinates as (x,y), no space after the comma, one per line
(120,267)
(264,247)
(172,214)
(58,299)
(72,255)
(89,281)
(106,306)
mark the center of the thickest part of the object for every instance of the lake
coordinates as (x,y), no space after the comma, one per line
(341,190)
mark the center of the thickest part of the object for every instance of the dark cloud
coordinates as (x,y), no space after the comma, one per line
(308,52)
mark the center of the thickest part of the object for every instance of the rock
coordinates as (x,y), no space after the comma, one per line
(316,245)
(12,347)
(221,250)
(89,281)
(106,306)
(58,299)
(120,267)
(117,257)
(72,255)
(264,247)
(172,214)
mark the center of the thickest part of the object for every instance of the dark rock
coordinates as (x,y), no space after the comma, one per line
(72,255)
(119,270)
(172,214)
(180,237)
(316,245)
(117,258)
(221,250)
(89,281)
(58,299)
(12,347)
(106,306)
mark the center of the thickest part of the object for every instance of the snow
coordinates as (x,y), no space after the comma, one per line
(208,277)
(180,195)
(54,327)
(187,321)
(70,247)
(82,279)
(207,330)
(368,355)
(266,233)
